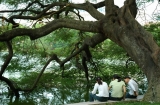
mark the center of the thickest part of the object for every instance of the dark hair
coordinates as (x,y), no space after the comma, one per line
(99,80)
(127,77)
(130,78)
(115,76)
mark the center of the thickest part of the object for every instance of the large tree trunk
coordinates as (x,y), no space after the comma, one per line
(153,92)
(140,45)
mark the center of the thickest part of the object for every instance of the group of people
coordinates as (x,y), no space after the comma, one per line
(115,91)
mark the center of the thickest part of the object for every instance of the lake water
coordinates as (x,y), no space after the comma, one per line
(52,96)
(59,95)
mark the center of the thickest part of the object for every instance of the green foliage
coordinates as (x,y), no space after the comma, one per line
(112,50)
(2,46)
(154,28)
(144,1)
(158,17)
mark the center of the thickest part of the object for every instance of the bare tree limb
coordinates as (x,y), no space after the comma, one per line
(53,57)
(8,59)
(92,42)
(50,27)
(109,4)
(48,10)
(131,4)
(94,12)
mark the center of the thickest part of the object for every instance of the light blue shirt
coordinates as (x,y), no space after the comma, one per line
(133,86)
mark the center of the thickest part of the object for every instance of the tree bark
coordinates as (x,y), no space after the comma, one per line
(139,44)
(153,90)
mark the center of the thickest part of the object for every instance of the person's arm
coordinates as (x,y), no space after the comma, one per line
(134,89)
(95,88)
(109,87)
(135,93)
(124,92)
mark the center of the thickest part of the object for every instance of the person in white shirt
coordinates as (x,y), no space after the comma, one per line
(133,87)
(102,88)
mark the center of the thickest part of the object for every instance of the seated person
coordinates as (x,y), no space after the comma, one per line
(102,88)
(118,89)
(133,87)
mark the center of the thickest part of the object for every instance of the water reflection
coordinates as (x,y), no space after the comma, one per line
(52,96)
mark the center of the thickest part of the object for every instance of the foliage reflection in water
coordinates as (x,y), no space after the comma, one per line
(62,94)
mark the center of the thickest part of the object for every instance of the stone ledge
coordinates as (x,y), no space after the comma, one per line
(139,98)
(89,103)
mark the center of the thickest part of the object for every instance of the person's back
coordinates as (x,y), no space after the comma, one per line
(102,88)
(133,87)
(118,88)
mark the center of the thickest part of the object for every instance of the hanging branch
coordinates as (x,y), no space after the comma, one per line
(8,59)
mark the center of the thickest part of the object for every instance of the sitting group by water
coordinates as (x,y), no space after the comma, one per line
(116,90)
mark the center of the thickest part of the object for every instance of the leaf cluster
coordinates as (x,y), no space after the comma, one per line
(154,28)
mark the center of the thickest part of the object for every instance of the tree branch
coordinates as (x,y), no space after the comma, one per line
(92,42)
(48,10)
(53,57)
(12,85)
(8,59)
(131,6)
(109,4)
(94,12)
(50,27)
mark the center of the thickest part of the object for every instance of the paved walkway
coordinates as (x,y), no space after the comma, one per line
(139,98)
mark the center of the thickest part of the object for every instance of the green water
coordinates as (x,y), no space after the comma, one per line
(48,96)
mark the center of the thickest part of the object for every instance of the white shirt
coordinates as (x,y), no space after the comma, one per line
(102,90)
(133,86)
